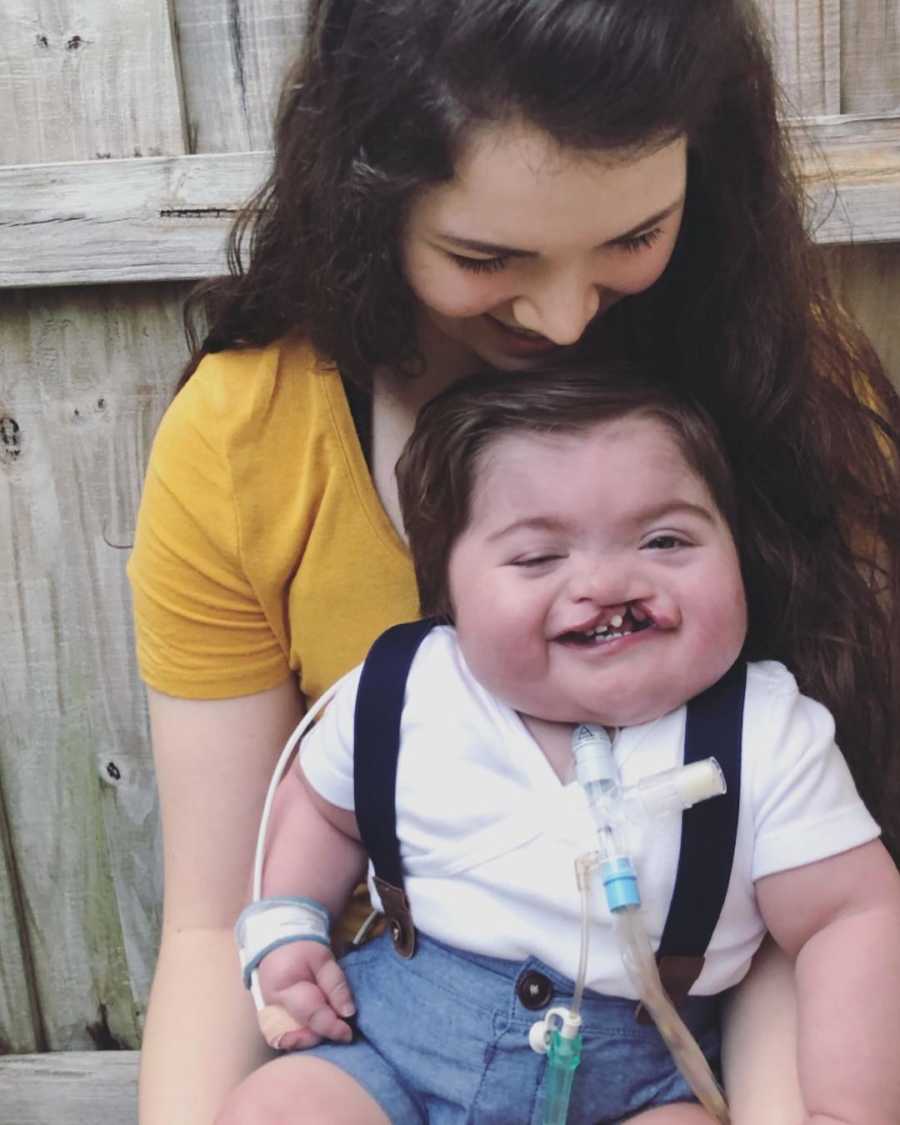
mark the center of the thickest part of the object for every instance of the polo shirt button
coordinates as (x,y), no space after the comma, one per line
(534,990)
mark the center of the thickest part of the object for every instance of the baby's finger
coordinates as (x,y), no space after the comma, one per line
(297,1040)
(325,1023)
(333,983)
(275,1022)
(282,1032)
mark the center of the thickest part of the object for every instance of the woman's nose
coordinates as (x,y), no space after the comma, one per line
(560,309)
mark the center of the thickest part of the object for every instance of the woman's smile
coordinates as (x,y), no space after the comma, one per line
(519,341)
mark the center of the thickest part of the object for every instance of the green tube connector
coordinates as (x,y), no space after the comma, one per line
(563,1057)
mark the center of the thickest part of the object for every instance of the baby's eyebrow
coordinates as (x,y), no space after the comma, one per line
(674,508)
(499,250)
(640,516)
(527,523)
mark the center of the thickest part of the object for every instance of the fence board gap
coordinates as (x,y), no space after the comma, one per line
(21,1027)
(233,57)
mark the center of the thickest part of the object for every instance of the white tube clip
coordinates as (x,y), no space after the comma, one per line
(562,1019)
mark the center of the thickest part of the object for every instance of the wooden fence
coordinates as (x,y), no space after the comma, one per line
(130,131)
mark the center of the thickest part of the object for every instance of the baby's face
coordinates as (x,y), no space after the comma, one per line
(596,580)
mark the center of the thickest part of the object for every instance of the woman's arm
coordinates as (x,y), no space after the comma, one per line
(214,760)
(759,1043)
(840,917)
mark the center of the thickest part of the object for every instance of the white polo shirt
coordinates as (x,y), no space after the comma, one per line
(489,834)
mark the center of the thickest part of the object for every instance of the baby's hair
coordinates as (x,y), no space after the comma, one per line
(438,470)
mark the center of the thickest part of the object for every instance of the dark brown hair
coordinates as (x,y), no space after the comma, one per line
(438,470)
(387,93)
(379,107)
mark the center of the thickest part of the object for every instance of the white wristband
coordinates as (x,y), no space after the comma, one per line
(272,922)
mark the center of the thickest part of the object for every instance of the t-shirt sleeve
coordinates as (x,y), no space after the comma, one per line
(326,753)
(806,806)
(201,632)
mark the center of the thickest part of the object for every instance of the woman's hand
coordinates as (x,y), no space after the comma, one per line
(307,994)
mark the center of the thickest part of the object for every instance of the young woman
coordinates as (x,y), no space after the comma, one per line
(454,184)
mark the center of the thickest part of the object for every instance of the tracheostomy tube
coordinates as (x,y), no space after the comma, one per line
(612,809)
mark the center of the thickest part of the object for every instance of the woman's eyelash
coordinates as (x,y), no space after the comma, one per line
(632,245)
(480,265)
(637,242)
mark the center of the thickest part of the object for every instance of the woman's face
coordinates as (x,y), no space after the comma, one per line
(529,242)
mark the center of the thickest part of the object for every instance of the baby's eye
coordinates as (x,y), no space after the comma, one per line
(665,542)
(535,560)
(480,265)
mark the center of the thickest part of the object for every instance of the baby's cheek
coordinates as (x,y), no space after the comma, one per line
(498,663)
(727,624)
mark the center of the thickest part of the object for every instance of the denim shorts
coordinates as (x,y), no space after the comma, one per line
(443,1039)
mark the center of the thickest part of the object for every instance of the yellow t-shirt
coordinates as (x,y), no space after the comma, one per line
(261,547)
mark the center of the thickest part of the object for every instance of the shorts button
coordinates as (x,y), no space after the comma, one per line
(534,990)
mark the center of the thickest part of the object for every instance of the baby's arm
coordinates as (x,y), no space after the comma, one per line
(840,918)
(314,851)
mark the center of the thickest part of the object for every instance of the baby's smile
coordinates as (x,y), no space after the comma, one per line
(633,619)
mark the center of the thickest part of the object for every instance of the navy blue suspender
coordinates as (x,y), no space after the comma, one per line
(376,729)
(708,834)
(713,728)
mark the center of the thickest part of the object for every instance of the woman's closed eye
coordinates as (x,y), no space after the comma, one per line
(634,243)
(480,265)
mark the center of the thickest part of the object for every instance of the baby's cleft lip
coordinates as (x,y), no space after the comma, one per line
(596,620)
(630,617)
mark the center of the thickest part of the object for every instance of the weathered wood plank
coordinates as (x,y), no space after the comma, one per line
(870,56)
(82,79)
(867,279)
(75,1088)
(852,173)
(233,57)
(126,220)
(20,1027)
(806,48)
(166,219)
(86,374)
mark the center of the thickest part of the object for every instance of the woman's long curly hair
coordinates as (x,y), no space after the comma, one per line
(380,105)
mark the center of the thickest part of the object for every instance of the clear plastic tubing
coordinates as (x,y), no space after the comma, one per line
(676,789)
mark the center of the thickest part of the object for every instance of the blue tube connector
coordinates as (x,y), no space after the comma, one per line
(620,884)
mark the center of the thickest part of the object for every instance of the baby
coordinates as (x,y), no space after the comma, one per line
(578,535)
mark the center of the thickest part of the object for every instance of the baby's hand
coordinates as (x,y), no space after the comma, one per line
(306,994)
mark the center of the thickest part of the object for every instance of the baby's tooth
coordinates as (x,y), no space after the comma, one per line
(616,621)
